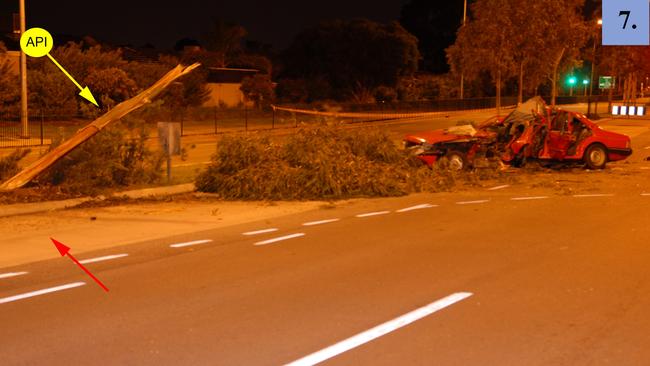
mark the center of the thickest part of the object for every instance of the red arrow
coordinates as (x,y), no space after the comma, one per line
(64,250)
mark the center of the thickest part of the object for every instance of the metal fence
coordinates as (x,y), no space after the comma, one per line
(211,121)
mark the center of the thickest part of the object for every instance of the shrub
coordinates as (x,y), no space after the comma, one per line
(9,164)
(115,157)
(323,163)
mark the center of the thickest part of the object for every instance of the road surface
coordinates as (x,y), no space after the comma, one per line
(546,280)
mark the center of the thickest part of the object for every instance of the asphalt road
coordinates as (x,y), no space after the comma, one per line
(557,280)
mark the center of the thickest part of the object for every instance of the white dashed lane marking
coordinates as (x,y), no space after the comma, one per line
(418,207)
(593,195)
(472,202)
(282,238)
(40,292)
(499,187)
(321,222)
(101,259)
(12,274)
(370,214)
(263,231)
(529,198)
(190,243)
(645,194)
(378,331)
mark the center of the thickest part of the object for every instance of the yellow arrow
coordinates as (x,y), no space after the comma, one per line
(85,92)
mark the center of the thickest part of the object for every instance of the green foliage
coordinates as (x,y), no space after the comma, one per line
(258,89)
(9,164)
(9,85)
(352,53)
(116,157)
(535,38)
(324,163)
(112,84)
(225,40)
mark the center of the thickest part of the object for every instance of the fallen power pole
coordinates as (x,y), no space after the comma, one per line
(84,134)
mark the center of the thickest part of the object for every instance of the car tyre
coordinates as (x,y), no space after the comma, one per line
(456,161)
(596,157)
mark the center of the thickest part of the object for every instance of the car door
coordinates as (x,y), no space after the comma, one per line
(559,137)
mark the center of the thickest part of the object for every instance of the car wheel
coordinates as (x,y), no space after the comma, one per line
(456,161)
(596,156)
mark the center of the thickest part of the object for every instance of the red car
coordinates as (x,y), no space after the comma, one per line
(532,131)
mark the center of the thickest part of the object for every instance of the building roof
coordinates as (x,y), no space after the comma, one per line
(224,75)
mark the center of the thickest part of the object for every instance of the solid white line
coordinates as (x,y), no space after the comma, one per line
(529,198)
(314,223)
(373,214)
(378,331)
(275,240)
(258,232)
(190,243)
(418,207)
(41,292)
(101,259)
(472,202)
(12,274)
(592,195)
(645,168)
(499,187)
(645,194)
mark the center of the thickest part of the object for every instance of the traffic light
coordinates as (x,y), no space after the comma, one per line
(572,80)
(585,82)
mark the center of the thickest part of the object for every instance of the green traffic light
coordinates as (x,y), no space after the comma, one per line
(573,80)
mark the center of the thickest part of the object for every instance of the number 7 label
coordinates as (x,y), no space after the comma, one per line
(625,22)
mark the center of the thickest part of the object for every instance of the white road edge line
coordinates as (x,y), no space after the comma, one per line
(472,202)
(529,198)
(373,214)
(593,195)
(314,223)
(41,292)
(12,274)
(190,243)
(275,240)
(258,232)
(418,207)
(499,187)
(378,331)
(101,259)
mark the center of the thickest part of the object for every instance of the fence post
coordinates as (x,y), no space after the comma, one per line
(216,131)
(182,120)
(42,122)
(246,118)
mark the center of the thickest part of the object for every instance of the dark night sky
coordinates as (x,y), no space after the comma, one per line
(164,22)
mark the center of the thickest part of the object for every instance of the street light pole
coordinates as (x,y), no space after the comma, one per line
(24,115)
(462,73)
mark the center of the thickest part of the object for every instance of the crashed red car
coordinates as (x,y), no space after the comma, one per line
(532,131)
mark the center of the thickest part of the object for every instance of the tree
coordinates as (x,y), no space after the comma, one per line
(259,89)
(532,39)
(9,85)
(352,54)
(434,24)
(225,40)
(111,85)
(484,44)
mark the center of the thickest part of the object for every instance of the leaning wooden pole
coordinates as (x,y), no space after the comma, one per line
(115,114)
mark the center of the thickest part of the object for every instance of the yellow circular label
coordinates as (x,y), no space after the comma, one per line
(36,42)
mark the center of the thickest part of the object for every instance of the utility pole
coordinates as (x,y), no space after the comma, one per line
(24,114)
(462,73)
